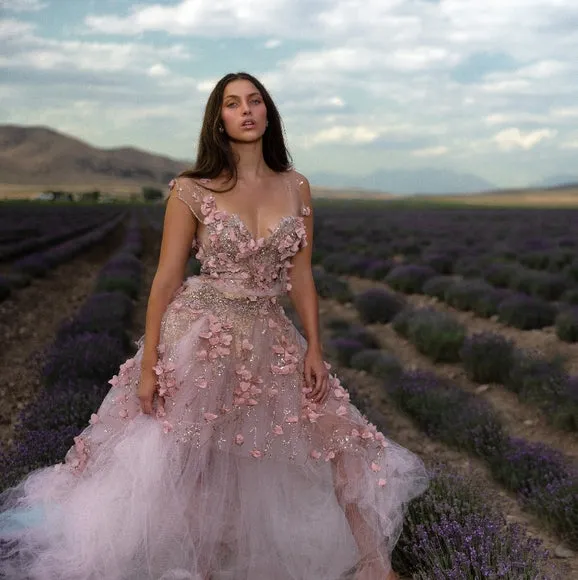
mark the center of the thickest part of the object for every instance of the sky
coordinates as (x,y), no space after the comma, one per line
(488,87)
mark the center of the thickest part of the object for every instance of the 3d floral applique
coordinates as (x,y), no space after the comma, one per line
(287,353)
(78,458)
(165,371)
(248,389)
(257,453)
(330,455)
(218,339)
(239,439)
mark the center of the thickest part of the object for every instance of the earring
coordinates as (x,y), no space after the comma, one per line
(221,128)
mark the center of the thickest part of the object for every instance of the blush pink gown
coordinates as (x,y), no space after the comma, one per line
(241,476)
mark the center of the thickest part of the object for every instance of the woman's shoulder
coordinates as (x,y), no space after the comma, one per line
(297,177)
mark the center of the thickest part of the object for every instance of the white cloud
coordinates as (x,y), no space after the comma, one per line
(430,151)
(23,5)
(570,145)
(513,138)
(351,74)
(343,135)
(158,70)
(565,113)
(11,29)
(29,51)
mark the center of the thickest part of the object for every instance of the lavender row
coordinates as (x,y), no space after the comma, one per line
(87,351)
(449,240)
(486,357)
(26,229)
(39,263)
(407,248)
(454,530)
(546,482)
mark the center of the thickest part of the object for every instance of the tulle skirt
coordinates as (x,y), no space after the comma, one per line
(237,476)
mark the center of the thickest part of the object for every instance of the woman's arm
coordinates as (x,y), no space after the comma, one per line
(303,293)
(179,230)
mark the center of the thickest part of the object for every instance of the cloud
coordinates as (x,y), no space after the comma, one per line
(23,5)
(570,145)
(430,151)
(513,138)
(273,43)
(24,49)
(343,135)
(420,79)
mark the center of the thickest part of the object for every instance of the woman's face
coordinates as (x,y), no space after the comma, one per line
(243,112)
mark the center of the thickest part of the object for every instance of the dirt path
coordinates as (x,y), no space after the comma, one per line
(401,429)
(542,340)
(29,320)
(522,420)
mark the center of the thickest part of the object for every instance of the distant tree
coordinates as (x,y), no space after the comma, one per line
(152,193)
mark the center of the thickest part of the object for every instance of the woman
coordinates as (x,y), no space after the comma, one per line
(224,449)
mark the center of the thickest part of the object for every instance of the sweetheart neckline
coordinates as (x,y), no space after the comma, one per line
(236,216)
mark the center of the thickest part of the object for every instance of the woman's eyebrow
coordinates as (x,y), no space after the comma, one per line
(237,97)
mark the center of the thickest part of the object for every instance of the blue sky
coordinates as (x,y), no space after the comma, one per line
(482,86)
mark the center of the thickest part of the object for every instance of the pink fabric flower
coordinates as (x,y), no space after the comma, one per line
(278,430)
(381,482)
(239,439)
(315,454)
(341,411)
(375,467)
(256,453)
(94,418)
(209,416)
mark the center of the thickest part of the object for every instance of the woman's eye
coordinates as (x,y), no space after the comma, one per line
(256,101)
(231,104)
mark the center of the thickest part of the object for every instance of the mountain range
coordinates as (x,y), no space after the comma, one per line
(45,158)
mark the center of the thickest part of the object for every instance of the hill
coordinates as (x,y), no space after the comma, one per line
(42,158)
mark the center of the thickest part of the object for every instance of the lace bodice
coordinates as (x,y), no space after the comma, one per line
(230,255)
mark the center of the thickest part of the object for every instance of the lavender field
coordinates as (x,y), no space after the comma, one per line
(455,330)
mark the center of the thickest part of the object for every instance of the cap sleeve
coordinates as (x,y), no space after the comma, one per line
(304,200)
(185,189)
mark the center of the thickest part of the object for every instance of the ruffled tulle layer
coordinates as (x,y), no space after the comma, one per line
(237,477)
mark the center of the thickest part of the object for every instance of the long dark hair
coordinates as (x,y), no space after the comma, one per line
(214,153)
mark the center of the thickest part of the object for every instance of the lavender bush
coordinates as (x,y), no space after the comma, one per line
(526,313)
(343,349)
(487,357)
(331,286)
(377,305)
(438,286)
(567,325)
(465,294)
(437,335)
(410,278)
